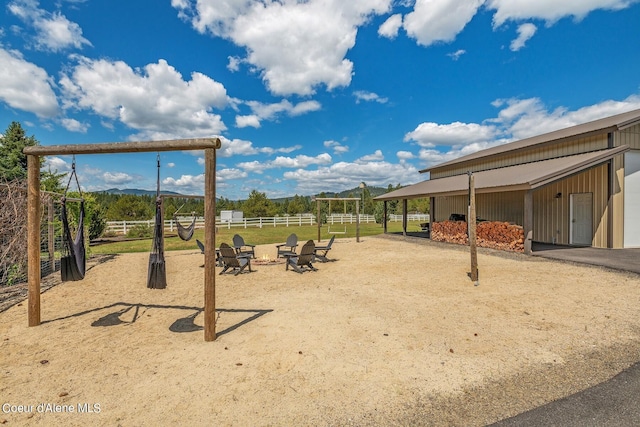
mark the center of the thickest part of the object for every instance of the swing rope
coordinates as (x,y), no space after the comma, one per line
(73,263)
(157,273)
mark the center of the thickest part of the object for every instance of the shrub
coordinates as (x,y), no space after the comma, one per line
(140,230)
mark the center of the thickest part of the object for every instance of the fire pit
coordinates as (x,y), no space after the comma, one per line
(266,260)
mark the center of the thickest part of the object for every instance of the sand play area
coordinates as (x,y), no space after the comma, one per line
(391,332)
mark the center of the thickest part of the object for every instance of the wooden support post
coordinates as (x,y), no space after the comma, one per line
(319,219)
(358,221)
(528,221)
(472,230)
(51,248)
(404,217)
(33,238)
(210,244)
(384,216)
(432,214)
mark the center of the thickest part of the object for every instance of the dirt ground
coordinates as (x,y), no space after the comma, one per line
(390,332)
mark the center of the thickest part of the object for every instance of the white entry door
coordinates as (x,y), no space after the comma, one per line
(581,216)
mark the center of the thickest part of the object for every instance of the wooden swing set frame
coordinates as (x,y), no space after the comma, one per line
(33,153)
(345,200)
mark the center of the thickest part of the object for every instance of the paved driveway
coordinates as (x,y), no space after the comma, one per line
(614,403)
(617,259)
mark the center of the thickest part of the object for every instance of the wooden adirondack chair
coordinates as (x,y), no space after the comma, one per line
(289,247)
(243,248)
(302,262)
(231,260)
(320,252)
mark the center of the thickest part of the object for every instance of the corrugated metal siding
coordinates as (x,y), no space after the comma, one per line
(501,206)
(551,220)
(629,136)
(445,206)
(583,145)
(490,206)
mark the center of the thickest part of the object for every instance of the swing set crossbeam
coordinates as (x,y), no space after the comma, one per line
(124,147)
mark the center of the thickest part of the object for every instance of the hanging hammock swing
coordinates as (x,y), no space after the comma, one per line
(157,274)
(73,263)
(185,233)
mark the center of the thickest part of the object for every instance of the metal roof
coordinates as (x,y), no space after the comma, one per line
(527,176)
(608,124)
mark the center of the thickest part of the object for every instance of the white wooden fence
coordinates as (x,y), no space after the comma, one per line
(121,227)
(410,217)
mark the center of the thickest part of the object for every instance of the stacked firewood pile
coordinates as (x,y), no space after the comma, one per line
(489,234)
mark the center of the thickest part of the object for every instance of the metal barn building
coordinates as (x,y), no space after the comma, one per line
(575,186)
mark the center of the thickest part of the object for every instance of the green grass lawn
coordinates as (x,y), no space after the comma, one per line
(253,235)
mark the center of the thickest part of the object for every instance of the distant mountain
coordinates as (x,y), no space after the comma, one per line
(354,192)
(135,192)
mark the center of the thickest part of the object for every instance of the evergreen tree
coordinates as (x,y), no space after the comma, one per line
(13,163)
(257,205)
(130,207)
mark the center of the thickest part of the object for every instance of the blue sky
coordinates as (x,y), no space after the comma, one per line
(308,95)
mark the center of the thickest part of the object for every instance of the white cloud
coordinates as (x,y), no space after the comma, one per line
(429,134)
(186,184)
(117,178)
(271,112)
(56,164)
(433,21)
(296,46)
(240,147)
(227,174)
(344,175)
(73,125)
(304,107)
(362,95)
(457,54)
(405,155)
(525,32)
(248,121)
(54,32)
(194,184)
(234,63)
(336,147)
(171,165)
(25,86)
(549,10)
(156,100)
(301,161)
(375,157)
(390,27)
(523,118)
